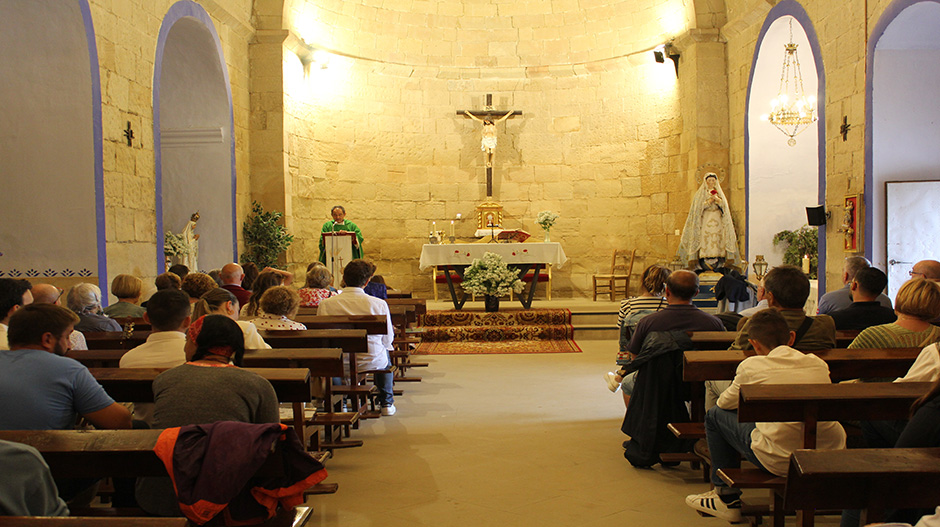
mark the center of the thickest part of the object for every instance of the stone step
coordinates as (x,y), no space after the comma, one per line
(596,332)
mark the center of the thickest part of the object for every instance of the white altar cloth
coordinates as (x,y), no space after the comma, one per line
(512,253)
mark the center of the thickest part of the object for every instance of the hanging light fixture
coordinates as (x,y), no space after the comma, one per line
(791,110)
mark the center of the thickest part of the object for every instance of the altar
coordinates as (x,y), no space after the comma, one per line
(456,257)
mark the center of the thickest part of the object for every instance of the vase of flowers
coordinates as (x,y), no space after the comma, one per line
(491,277)
(546,219)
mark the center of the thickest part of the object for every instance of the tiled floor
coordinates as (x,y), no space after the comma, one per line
(505,440)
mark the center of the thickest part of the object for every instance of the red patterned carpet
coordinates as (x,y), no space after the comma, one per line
(507,331)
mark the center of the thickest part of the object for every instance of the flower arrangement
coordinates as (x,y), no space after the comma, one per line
(175,245)
(491,276)
(546,219)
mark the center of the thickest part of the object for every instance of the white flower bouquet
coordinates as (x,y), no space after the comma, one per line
(491,276)
(546,219)
(175,245)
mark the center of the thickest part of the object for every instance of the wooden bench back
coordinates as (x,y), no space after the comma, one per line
(843,363)
(721,340)
(135,384)
(373,324)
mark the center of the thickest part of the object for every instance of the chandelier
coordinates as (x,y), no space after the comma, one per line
(791,110)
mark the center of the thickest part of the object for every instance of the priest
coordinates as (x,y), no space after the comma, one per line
(341,224)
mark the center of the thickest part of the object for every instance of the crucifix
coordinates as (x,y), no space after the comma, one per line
(844,129)
(129,134)
(490,117)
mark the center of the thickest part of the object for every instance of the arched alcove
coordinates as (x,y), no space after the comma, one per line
(902,131)
(194,145)
(51,189)
(783,180)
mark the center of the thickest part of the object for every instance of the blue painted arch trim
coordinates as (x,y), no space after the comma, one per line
(100,233)
(184,9)
(887,17)
(794,9)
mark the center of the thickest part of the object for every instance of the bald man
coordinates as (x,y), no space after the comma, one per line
(232,275)
(50,294)
(928,269)
(842,298)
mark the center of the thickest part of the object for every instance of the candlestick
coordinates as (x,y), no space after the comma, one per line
(806,263)
(452,228)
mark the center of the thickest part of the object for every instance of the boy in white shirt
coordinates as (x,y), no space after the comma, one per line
(766,445)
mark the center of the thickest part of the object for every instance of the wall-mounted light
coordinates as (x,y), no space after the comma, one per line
(309,56)
(661,52)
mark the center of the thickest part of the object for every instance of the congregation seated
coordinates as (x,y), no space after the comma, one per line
(916,304)
(278,305)
(221,301)
(786,289)
(210,387)
(842,298)
(232,275)
(127,289)
(766,445)
(316,286)
(85,300)
(50,294)
(266,280)
(251,272)
(167,280)
(632,310)
(762,303)
(41,389)
(27,487)
(865,310)
(658,397)
(196,285)
(14,294)
(352,300)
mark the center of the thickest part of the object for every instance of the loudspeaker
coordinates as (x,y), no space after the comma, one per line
(816,215)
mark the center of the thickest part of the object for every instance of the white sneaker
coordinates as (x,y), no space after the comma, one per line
(610,379)
(709,503)
(389,410)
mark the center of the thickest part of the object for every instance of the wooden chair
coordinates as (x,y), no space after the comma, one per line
(607,283)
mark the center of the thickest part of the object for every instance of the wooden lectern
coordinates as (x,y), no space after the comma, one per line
(338,247)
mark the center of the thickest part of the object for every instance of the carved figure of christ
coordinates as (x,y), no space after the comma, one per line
(489,117)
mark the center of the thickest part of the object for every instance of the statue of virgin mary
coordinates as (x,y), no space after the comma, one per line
(708,239)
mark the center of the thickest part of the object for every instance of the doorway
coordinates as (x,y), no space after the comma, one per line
(913,223)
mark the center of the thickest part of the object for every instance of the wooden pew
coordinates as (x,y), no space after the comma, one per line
(866,479)
(373,324)
(844,364)
(406,335)
(810,404)
(135,385)
(123,454)
(721,340)
(395,293)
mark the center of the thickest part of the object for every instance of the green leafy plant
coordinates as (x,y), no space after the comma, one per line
(491,276)
(265,239)
(798,243)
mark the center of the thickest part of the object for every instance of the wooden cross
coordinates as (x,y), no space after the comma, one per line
(844,129)
(489,116)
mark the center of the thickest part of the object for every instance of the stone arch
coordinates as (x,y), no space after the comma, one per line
(51,138)
(900,135)
(798,173)
(194,144)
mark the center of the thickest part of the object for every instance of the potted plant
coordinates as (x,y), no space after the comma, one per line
(265,239)
(799,243)
(491,277)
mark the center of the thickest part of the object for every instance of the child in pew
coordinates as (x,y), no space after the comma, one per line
(922,431)
(766,445)
(278,306)
(221,301)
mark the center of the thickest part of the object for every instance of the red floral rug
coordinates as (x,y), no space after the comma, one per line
(507,331)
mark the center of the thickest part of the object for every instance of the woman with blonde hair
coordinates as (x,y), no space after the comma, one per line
(127,289)
(279,305)
(222,302)
(917,303)
(651,300)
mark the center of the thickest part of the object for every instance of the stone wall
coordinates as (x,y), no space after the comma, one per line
(598,142)
(126,36)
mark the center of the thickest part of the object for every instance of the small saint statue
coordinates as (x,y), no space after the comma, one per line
(488,145)
(708,239)
(191,239)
